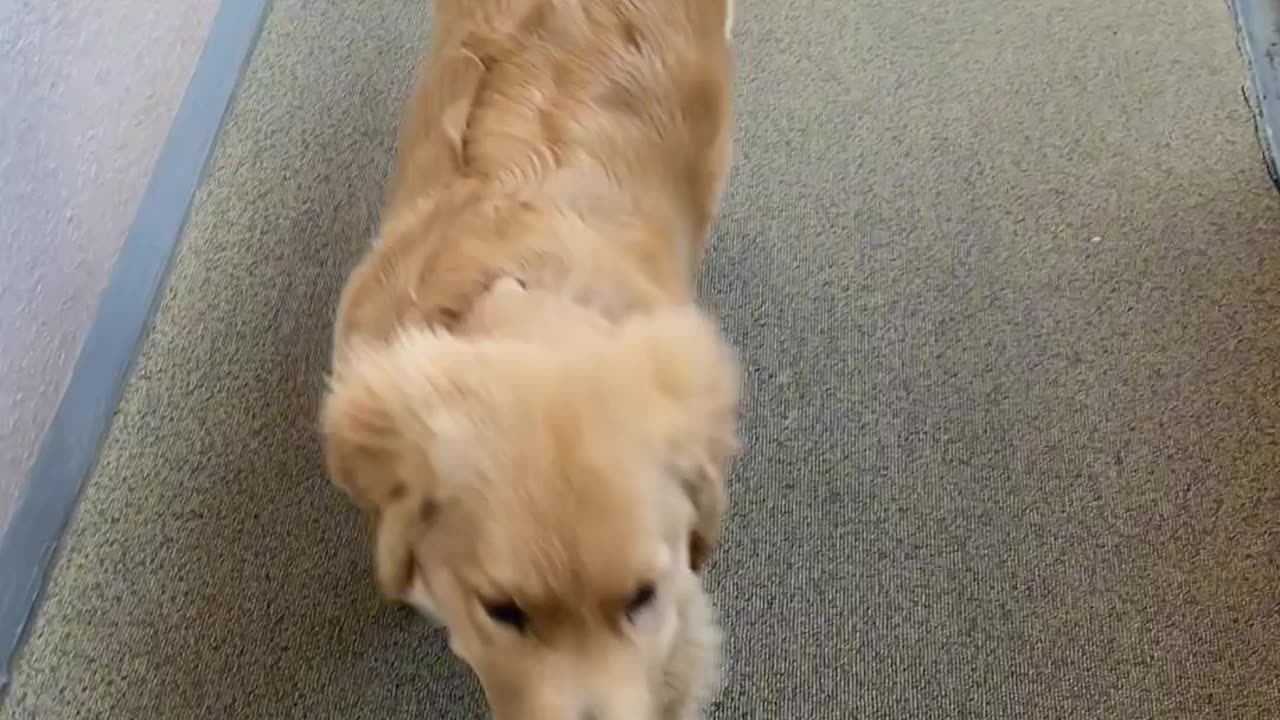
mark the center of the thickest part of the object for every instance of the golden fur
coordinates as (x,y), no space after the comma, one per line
(524,397)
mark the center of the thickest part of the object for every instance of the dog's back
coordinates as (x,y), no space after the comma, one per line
(521,91)
(553,136)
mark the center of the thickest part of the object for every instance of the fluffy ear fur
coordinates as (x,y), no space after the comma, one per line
(374,427)
(361,441)
(698,375)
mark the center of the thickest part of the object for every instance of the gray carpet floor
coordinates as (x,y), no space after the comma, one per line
(1006,277)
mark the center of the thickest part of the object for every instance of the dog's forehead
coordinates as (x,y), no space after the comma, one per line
(563,496)
(557,538)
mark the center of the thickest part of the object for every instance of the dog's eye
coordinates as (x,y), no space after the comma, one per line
(640,600)
(507,613)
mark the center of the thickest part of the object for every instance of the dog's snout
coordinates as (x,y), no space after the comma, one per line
(589,713)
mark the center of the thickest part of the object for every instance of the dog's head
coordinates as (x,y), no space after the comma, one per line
(556,498)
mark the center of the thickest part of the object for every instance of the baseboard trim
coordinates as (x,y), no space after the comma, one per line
(1258,34)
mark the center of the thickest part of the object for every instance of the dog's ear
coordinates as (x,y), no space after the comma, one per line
(374,430)
(697,379)
(399,530)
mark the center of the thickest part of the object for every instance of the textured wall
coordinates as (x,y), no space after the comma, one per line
(87,92)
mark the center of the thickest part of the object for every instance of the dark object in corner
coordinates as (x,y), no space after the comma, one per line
(1258,35)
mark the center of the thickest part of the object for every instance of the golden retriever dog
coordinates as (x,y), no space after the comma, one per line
(525,397)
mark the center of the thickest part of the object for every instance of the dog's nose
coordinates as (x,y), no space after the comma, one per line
(589,713)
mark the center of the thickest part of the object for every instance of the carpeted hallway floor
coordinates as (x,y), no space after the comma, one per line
(1007,280)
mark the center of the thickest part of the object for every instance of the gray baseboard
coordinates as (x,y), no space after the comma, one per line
(1258,25)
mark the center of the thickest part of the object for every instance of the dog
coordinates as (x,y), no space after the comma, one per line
(525,397)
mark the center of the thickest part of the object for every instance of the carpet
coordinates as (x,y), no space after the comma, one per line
(1006,281)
